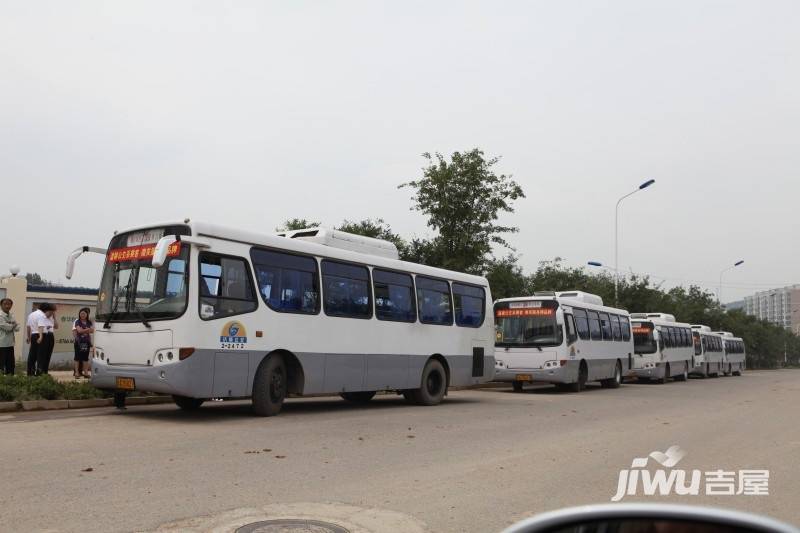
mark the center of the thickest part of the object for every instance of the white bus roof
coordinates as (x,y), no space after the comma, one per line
(301,245)
(664,317)
(660,319)
(345,241)
(570,298)
(704,329)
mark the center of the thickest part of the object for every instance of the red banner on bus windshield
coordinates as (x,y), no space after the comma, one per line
(504,313)
(145,251)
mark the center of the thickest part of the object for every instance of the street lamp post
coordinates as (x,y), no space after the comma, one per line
(644,185)
(719,292)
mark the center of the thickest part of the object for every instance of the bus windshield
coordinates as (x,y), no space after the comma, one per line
(132,290)
(644,341)
(517,325)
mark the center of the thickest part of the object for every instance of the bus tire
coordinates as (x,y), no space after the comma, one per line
(517,386)
(583,377)
(616,381)
(663,379)
(269,386)
(186,403)
(685,375)
(433,385)
(358,397)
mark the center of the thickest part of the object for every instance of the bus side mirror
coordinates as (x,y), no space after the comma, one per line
(162,249)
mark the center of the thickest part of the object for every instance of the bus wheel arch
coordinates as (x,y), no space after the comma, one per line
(270,385)
(436,364)
(583,376)
(443,360)
(615,381)
(295,376)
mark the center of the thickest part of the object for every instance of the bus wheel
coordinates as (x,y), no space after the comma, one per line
(269,386)
(434,385)
(616,381)
(187,404)
(517,385)
(358,397)
(663,379)
(583,377)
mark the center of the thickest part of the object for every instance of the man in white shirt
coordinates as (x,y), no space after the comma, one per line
(41,324)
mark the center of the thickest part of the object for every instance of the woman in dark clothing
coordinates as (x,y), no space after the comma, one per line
(82,330)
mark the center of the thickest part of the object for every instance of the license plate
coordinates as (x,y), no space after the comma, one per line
(126,384)
(524,377)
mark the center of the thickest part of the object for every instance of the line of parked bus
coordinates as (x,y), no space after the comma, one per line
(200,311)
(570,338)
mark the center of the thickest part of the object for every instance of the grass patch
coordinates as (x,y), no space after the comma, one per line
(18,388)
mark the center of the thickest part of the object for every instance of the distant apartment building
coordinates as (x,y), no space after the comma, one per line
(779,306)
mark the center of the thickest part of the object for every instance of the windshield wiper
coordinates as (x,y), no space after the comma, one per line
(113,312)
(131,304)
(141,316)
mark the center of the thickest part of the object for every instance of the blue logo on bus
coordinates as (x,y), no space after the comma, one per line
(233,333)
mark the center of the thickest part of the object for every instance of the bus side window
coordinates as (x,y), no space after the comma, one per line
(625,325)
(594,326)
(288,283)
(345,290)
(572,332)
(470,305)
(225,286)
(615,328)
(605,326)
(394,296)
(582,323)
(433,301)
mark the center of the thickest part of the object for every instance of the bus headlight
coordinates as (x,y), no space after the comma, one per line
(551,364)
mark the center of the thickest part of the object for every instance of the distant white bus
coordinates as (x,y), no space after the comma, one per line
(567,338)
(734,356)
(200,311)
(664,347)
(708,352)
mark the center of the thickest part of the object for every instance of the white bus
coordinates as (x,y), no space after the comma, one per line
(734,354)
(200,311)
(708,352)
(566,338)
(663,347)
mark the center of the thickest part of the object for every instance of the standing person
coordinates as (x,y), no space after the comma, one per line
(31,334)
(45,338)
(8,326)
(82,330)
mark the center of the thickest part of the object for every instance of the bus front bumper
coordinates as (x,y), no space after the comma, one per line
(567,373)
(163,379)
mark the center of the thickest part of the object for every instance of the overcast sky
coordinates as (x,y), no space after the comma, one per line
(116,114)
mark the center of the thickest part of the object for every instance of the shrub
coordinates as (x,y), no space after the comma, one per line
(81,391)
(45,388)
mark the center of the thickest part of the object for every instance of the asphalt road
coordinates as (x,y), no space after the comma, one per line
(478,462)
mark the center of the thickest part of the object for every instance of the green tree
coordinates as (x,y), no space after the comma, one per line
(378,229)
(463,199)
(36,279)
(506,278)
(297,223)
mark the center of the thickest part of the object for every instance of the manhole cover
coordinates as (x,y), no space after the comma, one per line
(291,525)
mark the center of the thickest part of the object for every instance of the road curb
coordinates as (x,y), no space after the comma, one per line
(52,405)
(8,406)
